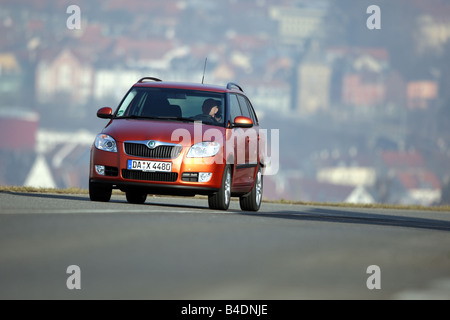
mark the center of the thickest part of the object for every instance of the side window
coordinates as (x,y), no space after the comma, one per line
(244,107)
(247,109)
(252,112)
(127,104)
(235,110)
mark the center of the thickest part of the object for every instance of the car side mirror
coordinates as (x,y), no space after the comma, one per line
(243,122)
(105,113)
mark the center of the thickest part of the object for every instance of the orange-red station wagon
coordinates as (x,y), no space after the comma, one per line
(184,139)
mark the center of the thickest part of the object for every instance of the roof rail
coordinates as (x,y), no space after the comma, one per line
(148,78)
(232,84)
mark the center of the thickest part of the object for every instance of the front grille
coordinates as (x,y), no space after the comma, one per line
(150,176)
(160,152)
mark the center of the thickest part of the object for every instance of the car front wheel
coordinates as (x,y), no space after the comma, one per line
(252,200)
(221,199)
(136,197)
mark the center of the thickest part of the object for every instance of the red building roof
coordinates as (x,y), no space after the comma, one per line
(419,180)
(20,127)
(403,160)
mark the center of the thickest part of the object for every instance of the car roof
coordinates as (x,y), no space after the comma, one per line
(186,86)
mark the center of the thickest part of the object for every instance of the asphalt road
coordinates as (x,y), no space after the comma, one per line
(176,248)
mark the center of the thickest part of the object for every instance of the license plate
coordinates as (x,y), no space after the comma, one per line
(149,166)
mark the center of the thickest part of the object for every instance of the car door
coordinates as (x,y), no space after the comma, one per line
(252,134)
(244,138)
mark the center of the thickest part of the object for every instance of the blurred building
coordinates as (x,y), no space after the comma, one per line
(350,176)
(18,127)
(40,175)
(269,96)
(433,32)
(9,66)
(408,180)
(114,83)
(421,94)
(11,77)
(298,24)
(363,89)
(60,160)
(67,74)
(364,80)
(313,82)
(144,53)
(419,187)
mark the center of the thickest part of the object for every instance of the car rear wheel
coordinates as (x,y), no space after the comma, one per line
(99,192)
(252,200)
(221,199)
(136,197)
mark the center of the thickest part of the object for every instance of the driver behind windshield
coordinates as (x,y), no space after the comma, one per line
(211,109)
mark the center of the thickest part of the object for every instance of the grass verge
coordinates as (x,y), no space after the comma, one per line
(282,201)
(43,190)
(48,190)
(367,206)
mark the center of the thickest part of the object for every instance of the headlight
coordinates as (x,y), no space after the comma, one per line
(203,150)
(105,143)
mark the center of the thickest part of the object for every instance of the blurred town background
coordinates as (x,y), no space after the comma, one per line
(364,115)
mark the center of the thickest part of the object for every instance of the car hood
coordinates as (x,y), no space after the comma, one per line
(162,130)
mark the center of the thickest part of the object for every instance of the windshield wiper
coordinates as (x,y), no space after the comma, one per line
(137,117)
(179,119)
(158,118)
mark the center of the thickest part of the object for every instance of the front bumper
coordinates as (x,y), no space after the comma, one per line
(181,181)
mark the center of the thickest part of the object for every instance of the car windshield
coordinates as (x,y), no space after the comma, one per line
(172,104)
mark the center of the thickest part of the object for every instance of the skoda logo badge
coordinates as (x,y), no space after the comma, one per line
(151,144)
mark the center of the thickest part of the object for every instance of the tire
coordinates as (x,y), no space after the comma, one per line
(252,200)
(221,199)
(136,197)
(99,192)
